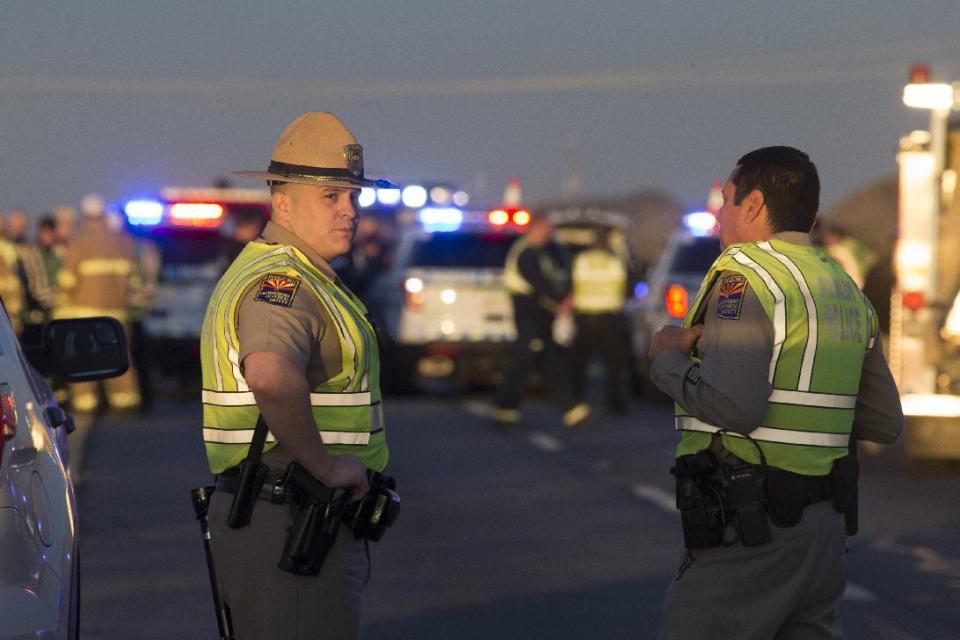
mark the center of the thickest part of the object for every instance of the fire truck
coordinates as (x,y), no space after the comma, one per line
(924,349)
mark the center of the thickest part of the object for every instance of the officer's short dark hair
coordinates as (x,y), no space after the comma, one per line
(788,181)
(47,222)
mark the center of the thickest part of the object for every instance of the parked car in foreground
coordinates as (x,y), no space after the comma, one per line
(39,551)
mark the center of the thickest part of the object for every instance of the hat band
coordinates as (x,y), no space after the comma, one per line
(306,171)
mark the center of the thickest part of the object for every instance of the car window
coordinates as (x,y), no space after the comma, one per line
(696,256)
(462,250)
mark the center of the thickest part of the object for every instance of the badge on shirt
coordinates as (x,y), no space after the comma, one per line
(731,297)
(278,289)
(693,375)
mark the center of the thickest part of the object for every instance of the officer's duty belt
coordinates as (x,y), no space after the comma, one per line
(785,487)
(229,482)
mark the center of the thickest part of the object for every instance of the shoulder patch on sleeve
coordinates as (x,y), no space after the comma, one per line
(731,296)
(278,289)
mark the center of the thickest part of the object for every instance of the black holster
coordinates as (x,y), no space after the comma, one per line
(845,479)
(315,525)
(699,500)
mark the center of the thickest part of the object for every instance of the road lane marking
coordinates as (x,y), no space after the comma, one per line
(545,442)
(477,408)
(656,496)
(856,593)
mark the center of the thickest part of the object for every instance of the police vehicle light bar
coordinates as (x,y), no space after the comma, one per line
(700,223)
(498,217)
(521,218)
(414,196)
(367,197)
(440,218)
(388,196)
(144,212)
(196,214)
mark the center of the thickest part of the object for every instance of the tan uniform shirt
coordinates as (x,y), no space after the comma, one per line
(302,332)
(734,381)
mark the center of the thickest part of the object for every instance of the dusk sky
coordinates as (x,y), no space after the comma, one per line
(124,98)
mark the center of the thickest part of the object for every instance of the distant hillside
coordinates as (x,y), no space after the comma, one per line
(870,214)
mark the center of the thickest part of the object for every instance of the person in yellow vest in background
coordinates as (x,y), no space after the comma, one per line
(854,257)
(599,293)
(284,340)
(11,288)
(776,373)
(39,264)
(537,276)
(98,277)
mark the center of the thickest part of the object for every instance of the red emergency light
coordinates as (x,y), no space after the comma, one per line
(500,217)
(676,300)
(196,214)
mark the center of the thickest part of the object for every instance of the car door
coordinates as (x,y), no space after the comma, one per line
(37,525)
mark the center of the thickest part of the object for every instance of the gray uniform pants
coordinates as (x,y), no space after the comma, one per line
(266,602)
(788,589)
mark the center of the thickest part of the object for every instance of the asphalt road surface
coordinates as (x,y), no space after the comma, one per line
(533,532)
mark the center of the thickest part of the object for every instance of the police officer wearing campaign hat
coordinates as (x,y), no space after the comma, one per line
(776,372)
(285,340)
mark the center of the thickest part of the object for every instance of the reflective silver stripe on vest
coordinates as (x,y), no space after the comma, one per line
(807,399)
(244,436)
(779,309)
(810,352)
(245,399)
(768,434)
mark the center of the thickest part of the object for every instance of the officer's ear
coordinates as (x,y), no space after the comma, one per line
(752,205)
(280,202)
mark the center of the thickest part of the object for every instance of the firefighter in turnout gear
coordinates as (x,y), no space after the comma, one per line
(285,340)
(776,372)
(599,292)
(98,277)
(537,275)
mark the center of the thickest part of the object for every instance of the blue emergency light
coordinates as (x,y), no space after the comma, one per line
(700,223)
(440,218)
(144,212)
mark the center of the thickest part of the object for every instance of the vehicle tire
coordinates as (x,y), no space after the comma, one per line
(73,620)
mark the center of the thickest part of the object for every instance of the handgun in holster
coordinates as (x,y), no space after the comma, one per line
(315,525)
(250,480)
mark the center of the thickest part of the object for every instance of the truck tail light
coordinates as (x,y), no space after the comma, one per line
(676,300)
(413,293)
(913,300)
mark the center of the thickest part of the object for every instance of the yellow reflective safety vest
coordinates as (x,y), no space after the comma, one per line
(823,327)
(347,408)
(599,282)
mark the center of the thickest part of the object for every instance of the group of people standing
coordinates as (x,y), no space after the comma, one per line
(72,269)
(566,311)
(772,393)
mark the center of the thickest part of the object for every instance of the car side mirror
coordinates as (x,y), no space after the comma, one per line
(82,349)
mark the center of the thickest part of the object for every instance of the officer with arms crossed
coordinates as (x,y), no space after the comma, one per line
(776,372)
(282,338)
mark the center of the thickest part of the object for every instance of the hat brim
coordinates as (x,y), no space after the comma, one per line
(352,183)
